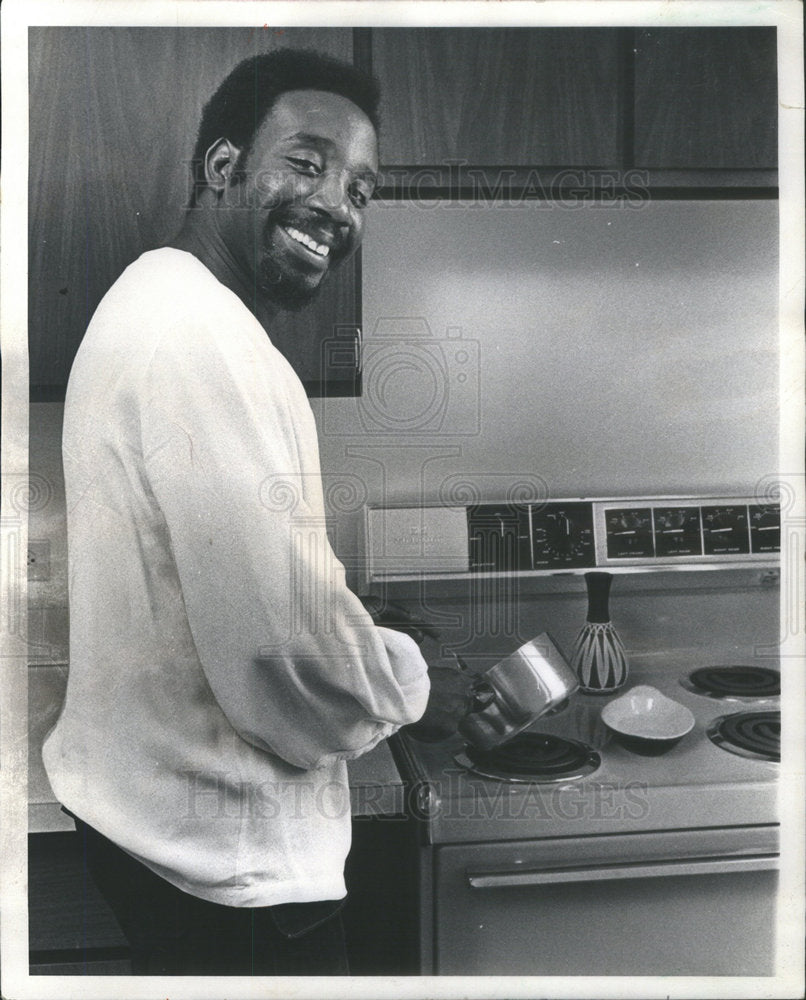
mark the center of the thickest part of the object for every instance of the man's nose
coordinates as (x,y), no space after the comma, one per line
(331,195)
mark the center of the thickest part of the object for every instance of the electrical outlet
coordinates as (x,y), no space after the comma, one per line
(38,560)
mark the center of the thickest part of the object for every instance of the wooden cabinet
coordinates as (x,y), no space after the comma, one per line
(72,931)
(692,106)
(706,98)
(113,120)
(323,341)
(498,97)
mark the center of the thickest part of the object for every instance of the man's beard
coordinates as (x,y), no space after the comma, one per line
(279,281)
(282,290)
(285,290)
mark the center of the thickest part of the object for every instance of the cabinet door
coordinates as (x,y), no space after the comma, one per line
(323,341)
(706,97)
(113,120)
(498,97)
(648,906)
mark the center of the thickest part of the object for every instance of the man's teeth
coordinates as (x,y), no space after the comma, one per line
(306,241)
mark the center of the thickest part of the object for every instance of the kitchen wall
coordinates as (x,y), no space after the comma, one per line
(673,621)
(575,351)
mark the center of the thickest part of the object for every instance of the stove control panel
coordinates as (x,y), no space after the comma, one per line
(506,537)
(572,535)
(691,531)
(629,533)
(562,536)
(498,537)
(726,530)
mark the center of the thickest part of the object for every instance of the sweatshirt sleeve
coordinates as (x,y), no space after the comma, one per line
(290,654)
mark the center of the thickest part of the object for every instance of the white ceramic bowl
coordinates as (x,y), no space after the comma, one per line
(644,713)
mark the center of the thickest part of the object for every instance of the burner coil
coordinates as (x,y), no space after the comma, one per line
(737,681)
(533,757)
(749,734)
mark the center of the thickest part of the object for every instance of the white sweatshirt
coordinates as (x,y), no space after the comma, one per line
(221,672)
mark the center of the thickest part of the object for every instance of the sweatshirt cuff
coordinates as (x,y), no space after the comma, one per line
(385,730)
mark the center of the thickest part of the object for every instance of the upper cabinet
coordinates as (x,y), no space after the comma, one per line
(498,97)
(706,98)
(113,119)
(323,341)
(691,106)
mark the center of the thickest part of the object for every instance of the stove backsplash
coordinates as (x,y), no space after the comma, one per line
(675,620)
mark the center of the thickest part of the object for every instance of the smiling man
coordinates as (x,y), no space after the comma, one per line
(289,196)
(221,672)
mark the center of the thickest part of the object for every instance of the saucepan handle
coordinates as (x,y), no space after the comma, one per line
(483,696)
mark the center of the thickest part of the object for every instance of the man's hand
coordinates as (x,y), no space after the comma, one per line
(449,700)
(451,694)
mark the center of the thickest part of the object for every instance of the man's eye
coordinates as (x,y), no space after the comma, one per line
(304,166)
(359,197)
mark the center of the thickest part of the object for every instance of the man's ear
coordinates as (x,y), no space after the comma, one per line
(219,164)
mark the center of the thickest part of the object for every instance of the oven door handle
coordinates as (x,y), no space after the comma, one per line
(602,873)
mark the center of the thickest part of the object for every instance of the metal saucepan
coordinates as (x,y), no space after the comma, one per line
(517,691)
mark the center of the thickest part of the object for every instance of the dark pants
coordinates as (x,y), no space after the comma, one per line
(173,933)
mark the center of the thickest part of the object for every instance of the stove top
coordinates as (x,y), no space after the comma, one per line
(608,789)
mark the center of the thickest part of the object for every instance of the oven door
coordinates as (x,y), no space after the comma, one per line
(689,903)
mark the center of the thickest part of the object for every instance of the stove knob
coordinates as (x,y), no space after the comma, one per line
(424,801)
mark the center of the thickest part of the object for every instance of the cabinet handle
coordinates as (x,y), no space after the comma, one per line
(559,876)
(358,346)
